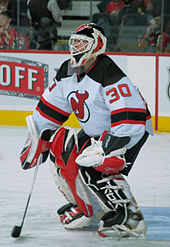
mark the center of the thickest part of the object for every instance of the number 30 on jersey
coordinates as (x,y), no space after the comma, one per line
(122,89)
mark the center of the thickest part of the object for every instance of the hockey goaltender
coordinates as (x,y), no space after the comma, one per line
(90,165)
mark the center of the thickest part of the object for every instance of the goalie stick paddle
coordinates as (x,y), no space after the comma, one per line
(16,231)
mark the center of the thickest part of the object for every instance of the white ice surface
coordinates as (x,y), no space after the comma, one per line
(149,180)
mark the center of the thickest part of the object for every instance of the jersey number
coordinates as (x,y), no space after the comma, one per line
(123,90)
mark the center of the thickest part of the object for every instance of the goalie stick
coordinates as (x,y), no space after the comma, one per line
(16,231)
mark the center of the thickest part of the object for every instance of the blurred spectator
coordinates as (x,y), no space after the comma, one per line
(114,6)
(46,36)
(149,6)
(9,39)
(19,12)
(139,6)
(164,45)
(108,20)
(107,10)
(45,17)
(131,7)
(44,8)
(4,5)
(127,8)
(103,5)
(64,4)
(102,10)
(153,37)
(112,10)
(8,35)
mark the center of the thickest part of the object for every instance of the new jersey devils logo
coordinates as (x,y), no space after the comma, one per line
(77,100)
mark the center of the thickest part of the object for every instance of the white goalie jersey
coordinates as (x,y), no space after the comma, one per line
(102,98)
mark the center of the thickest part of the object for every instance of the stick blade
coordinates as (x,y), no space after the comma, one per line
(16,231)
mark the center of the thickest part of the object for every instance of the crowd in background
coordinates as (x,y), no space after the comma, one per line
(116,13)
(10,38)
(43,17)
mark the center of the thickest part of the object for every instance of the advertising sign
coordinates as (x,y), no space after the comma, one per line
(22,77)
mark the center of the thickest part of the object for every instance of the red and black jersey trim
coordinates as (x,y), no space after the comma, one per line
(51,112)
(128,116)
(148,115)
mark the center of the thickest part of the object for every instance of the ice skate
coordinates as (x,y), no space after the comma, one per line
(72,217)
(134,227)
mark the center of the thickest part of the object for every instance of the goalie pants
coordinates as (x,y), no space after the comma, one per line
(132,153)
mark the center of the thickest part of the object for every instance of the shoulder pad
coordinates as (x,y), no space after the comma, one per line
(106,71)
(63,71)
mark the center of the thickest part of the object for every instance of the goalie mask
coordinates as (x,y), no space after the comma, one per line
(88,41)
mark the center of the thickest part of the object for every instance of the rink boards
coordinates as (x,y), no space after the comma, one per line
(24,76)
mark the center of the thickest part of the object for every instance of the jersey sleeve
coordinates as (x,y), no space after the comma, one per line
(128,111)
(53,108)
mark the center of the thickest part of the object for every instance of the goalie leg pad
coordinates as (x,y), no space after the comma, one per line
(63,154)
(71,216)
(61,183)
(110,190)
(127,220)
